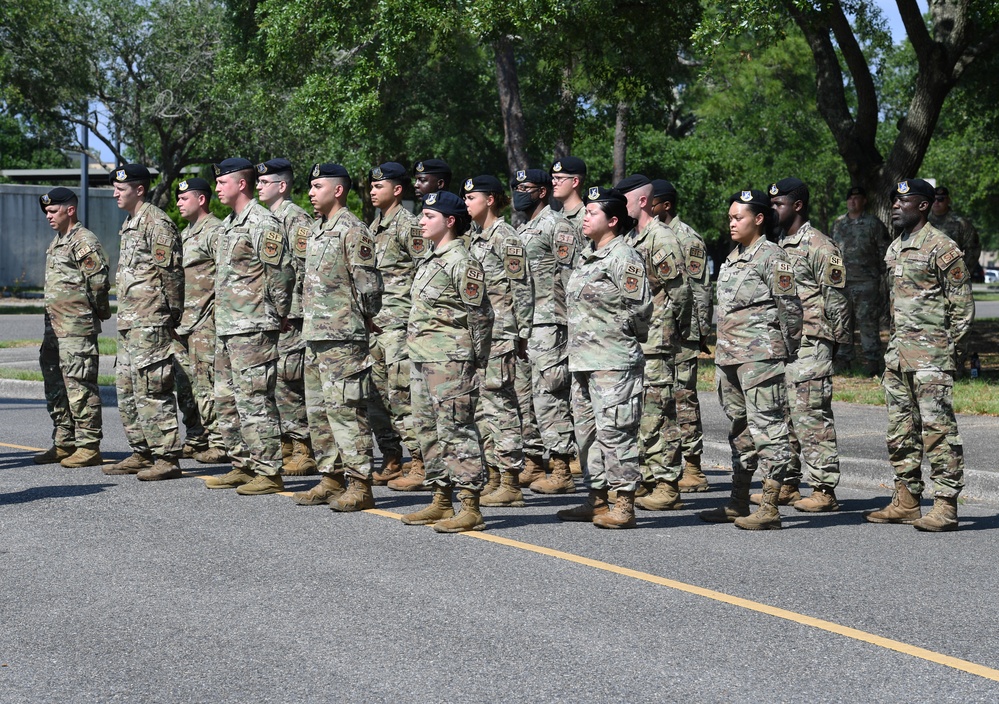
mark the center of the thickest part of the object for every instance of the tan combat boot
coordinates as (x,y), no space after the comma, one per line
(213,455)
(534,469)
(83,457)
(621,516)
(560,480)
(162,469)
(391,469)
(903,507)
(786,497)
(738,504)
(54,454)
(693,478)
(132,464)
(766,517)
(942,517)
(596,504)
(261,484)
(508,494)
(286,448)
(358,497)
(492,483)
(468,518)
(665,497)
(822,500)
(412,481)
(301,462)
(330,487)
(440,508)
(230,480)
(575,467)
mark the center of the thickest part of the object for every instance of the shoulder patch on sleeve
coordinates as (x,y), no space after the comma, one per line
(90,263)
(163,249)
(783,284)
(945,259)
(565,247)
(696,259)
(632,284)
(958,273)
(271,248)
(301,241)
(365,249)
(81,250)
(514,260)
(835,272)
(418,244)
(473,285)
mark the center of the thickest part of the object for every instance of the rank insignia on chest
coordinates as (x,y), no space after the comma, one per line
(301,241)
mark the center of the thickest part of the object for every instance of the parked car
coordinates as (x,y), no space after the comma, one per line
(992,276)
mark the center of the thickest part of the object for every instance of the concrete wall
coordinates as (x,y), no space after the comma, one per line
(25,234)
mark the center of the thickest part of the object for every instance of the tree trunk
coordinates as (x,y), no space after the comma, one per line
(566,115)
(514,128)
(621,141)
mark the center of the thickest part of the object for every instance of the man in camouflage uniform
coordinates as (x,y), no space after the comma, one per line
(932,311)
(431,175)
(820,278)
(659,435)
(694,333)
(274,180)
(254,284)
(399,248)
(76,301)
(550,245)
(150,288)
(196,332)
(342,294)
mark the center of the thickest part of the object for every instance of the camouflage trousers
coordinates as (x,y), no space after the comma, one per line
(389,405)
(813,429)
(144,378)
(444,396)
(866,305)
(659,434)
(337,389)
(245,377)
(289,390)
(921,421)
(196,355)
(525,402)
(688,406)
(754,398)
(69,370)
(187,402)
(498,416)
(607,408)
(550,386)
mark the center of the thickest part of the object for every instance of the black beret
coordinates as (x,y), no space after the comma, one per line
(941,191)
(389,171)
(569,165)
(131,173)
(538,176)
(433,166)
(632,182)
(753,197)
(57,196)
(274,166)
(231,165)
(856,191)
(328,171)
(913,187)
(194,184)
(597,194)
(483,184)
(785,186)
(446,203)
(661,188)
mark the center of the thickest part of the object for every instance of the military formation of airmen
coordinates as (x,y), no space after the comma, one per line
(500,359)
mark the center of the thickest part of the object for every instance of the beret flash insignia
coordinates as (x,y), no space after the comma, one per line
(557,166)
(261,168)
(183,186)
(419,167)
(521,175)
(46,200)
(376,173)
(430,199)
(120,175)
(773,189)
(469,185)
(903,186)
(594,193)
(746,196)
(315,171)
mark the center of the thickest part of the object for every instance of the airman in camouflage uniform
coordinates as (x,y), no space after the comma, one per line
(820,278)
(759,329)
(449,337)
(550,245)
(150,288)
(664,266)
(274,181)
(76,301)
(863,240)
(932,312)
(694,332)
(609,313)
(254,284)
(496,246)
(342,294)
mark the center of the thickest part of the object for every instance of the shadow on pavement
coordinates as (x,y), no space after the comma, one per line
(39,493)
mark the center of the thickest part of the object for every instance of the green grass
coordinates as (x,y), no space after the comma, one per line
(28,375)
(990,296)
(105,345)
(21,310)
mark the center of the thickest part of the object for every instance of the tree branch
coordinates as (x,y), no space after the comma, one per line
(915,27)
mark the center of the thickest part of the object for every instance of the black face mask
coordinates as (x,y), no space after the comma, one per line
(523,202)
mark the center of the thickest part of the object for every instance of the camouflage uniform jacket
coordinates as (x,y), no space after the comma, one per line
(200,247)
(399,247)
(695,257)
(759,314)
(343,289)
(76,283)
(960,230)
(551,249)
(863,242)
(931,302)
(254,277)
(297,225)
(820,278)
(671,303)
(150,278)
(610,309)
(451,318)
(508,284)
(575,219)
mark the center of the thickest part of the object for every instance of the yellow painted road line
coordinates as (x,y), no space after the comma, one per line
(22,447)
